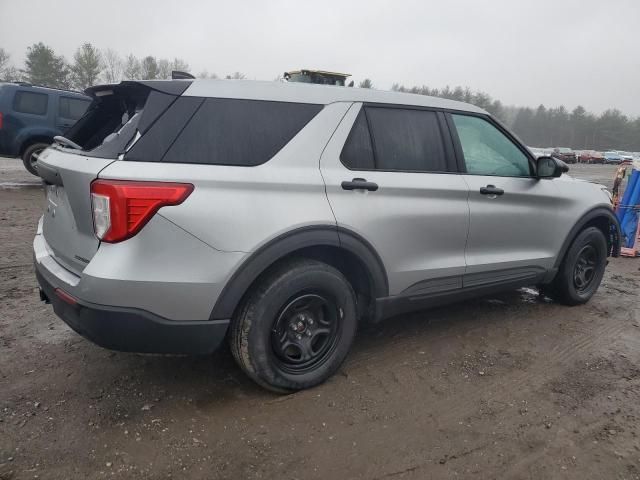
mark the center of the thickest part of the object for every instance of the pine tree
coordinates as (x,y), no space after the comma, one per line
(44,67)
(86,67)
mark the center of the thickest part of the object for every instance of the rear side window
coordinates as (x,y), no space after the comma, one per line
(72,108)
(407,140)
(400,139)
(357,153)
(31,102)
(239,132)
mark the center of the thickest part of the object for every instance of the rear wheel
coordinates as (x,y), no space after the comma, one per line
(30,157)
(295,329)
(582,269)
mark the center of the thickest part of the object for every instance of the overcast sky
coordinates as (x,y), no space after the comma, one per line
(523,52)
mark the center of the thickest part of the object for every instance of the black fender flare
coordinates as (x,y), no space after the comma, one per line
(613,239)
(289,242)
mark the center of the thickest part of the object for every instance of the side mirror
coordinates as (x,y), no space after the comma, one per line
(550,167)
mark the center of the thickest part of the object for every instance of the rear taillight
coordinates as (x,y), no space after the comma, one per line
(121,207)
(1,119)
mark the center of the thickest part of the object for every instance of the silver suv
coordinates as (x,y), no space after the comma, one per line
(280,216)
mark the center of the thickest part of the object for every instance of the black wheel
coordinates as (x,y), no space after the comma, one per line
(30,157)
(295,329)
(582,269)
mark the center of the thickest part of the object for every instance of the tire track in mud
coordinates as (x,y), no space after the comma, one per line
(563,351)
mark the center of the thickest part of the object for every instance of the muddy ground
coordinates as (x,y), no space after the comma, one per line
(512,386)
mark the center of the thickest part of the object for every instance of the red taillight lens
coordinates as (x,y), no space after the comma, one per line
(1,119)
(122,207)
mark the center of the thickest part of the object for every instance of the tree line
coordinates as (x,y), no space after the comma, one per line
(540,127)
(550,127)
(89,66)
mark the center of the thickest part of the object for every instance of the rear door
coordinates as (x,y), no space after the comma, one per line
(514,216)
(389,175)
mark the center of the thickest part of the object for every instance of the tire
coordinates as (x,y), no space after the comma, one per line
(28,158)
(581,270)
(285,337)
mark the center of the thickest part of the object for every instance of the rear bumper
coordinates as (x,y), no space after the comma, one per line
(129,329)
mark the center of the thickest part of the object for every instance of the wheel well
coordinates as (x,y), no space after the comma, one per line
(35,139)
(603,224)
(346,262)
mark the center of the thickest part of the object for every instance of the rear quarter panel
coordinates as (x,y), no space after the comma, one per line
(239,209)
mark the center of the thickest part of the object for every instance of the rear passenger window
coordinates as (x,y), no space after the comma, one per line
(31,102)
(407,140)
(357,153)
(399,139)
(72,108)
(239,132)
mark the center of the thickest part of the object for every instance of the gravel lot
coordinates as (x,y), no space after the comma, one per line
(512,386)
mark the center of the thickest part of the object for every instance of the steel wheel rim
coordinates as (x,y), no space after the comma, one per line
(585,268)
(33,159)
(305,332)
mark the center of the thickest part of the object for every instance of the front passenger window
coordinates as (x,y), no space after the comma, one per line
(487,151)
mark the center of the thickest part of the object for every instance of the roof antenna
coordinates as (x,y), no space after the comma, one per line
(178,75)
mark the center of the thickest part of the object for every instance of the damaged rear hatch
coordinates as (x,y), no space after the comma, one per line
(117,117)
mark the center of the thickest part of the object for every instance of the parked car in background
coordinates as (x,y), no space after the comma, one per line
(626,156)
(537,152)
(565,154)
(612,157)
(267,214)
(30,116)
(590,156)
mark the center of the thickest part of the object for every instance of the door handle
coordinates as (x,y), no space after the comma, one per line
(359,184)
(491,190)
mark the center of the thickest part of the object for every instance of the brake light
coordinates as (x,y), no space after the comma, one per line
(121,207)
(1,119)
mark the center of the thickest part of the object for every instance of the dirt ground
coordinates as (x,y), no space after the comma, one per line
(512,386)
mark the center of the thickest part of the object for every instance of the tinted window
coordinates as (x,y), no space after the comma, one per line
(358,152)
(239,132)
(31,102)
(407,140)
(72,108)
(488,151)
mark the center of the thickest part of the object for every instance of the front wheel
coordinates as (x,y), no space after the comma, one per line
(582,269)
(30,157)
(296,327)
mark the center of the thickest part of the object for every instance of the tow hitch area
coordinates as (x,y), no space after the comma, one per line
(43,296)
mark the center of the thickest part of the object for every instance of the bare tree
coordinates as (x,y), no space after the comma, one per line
(366,83)
(111,66)
(149,68)
(7,71)
(164,68)
(205,74)
(235,76)
(179,65)
(132,70)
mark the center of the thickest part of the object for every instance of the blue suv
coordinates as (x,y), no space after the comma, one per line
(30,116)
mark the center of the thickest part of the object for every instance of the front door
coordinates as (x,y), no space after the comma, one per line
(389,175)
(514,216)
